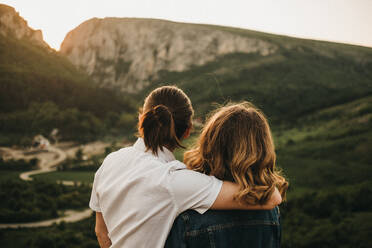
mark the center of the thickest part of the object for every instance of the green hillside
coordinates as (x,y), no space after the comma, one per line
(326,156)
(41,90)
(332,144)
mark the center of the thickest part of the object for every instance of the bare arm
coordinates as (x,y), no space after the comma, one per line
(225,199)
(101,231)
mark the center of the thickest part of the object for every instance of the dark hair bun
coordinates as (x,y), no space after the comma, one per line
(162,115)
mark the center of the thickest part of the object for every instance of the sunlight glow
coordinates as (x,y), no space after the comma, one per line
(346,21)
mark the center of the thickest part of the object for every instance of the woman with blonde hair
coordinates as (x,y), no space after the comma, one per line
(235,145)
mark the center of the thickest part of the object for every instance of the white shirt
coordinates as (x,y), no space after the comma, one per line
(140,195)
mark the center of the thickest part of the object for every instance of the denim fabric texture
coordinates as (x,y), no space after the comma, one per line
(226,229)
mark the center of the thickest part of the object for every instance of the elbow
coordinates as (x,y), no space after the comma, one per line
(100,233)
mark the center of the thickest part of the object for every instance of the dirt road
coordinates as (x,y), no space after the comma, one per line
(48,162)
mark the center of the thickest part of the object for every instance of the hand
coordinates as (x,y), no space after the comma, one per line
(275,198)
(274,201)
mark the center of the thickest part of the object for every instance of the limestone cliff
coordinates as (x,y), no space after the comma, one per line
(127,53)
(11,23)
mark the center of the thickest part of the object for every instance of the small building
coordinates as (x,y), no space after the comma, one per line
(40,142)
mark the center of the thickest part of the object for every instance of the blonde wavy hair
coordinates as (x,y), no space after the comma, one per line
(236,145)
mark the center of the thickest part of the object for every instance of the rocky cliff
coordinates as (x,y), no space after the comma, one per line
(11,23)
(128,53)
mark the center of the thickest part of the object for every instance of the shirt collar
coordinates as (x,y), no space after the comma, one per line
(165,155)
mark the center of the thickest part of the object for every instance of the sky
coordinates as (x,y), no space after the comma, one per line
(346,21)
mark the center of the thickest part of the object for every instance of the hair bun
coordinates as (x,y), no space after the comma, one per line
(162,114)
(161,109)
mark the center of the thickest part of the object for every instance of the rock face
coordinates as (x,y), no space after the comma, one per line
(128,53)
(11,23)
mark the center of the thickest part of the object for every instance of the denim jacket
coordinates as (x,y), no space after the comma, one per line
(226,229)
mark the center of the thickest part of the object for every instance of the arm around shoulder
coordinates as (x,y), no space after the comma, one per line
(225,199)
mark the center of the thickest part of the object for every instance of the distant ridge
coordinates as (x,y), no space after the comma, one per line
(129,53)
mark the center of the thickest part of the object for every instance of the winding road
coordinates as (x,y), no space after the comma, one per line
(47,164)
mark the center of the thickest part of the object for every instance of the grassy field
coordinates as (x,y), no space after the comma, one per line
(80,176)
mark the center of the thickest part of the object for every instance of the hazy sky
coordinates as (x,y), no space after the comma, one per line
(347,21)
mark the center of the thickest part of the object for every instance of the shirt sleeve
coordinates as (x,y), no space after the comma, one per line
(193,190)
(94,199)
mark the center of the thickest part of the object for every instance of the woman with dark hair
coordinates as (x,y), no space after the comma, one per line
(235,145)
(138,191)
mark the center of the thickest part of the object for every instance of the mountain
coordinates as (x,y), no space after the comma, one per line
(41,90)
(287,77)
(128,53)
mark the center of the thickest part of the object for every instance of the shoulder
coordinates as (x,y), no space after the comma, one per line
(176,165)
(113,158)
(185,183)
(120,154)
(178,170)
(180,173)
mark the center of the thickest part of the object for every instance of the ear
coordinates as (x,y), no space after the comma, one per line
(187,133)
(140,113)
(140,116)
